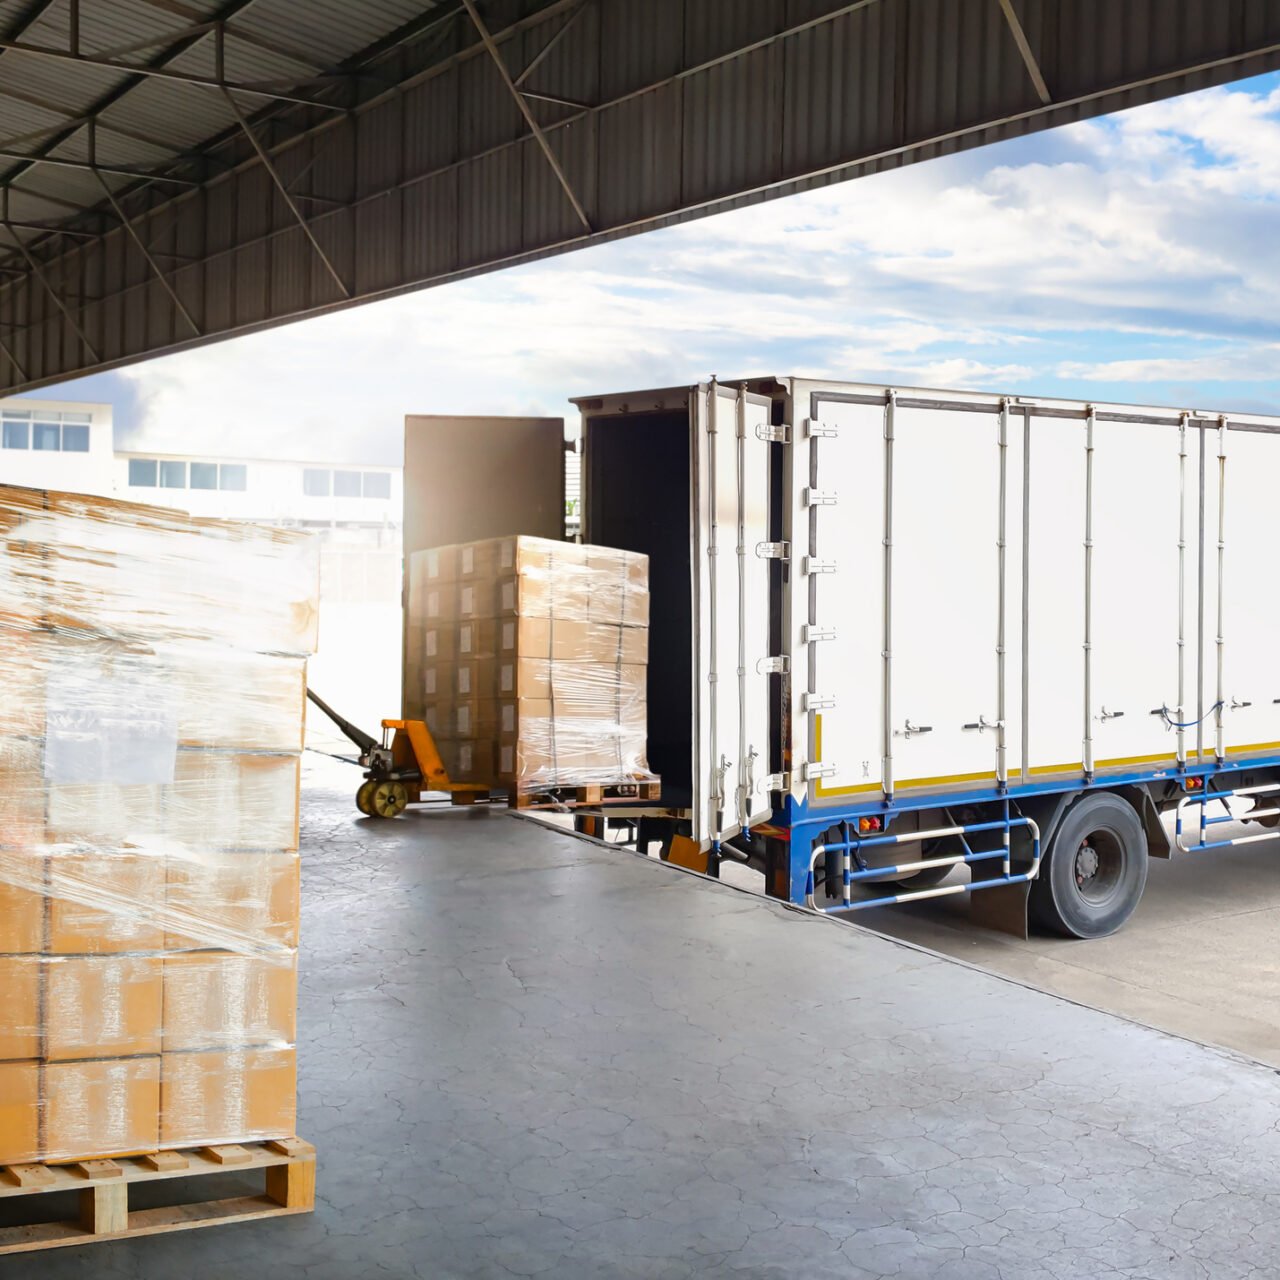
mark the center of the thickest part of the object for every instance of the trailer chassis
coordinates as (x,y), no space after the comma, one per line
(1023,819)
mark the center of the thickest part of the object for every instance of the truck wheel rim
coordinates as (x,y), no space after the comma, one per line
(1099,867)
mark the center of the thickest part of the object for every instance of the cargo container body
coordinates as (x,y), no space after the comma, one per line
(903,630)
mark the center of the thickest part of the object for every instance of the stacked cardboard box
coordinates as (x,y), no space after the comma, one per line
(527,660)
(154,676)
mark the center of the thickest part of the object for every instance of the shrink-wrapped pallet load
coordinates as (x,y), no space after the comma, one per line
(527,660)
(153,667)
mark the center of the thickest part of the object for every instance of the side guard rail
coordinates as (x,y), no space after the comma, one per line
(850,849)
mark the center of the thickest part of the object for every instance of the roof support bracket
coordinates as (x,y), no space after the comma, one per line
(138,240)
(269,165)
(44,281)
(525,111)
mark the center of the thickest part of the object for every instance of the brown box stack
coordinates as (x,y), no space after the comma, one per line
(155,675)
(527,660)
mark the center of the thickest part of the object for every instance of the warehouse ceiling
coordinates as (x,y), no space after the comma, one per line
(177,171)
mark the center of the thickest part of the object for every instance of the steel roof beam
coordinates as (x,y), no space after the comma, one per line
(245,37)
(1024,48)
(162,73)
(137,239)
(496,54)
(118,170)
(536,61)
(269,165)
(74,120)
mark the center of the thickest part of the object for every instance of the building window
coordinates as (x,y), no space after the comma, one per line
(204,475)
(77,417)
(142,473)
(173,475)
(17,435)
(315,484)
(346,484)
(233,476)
(377,484)
(75,439)
(45,436)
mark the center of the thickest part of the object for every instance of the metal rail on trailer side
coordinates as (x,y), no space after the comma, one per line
(865,514)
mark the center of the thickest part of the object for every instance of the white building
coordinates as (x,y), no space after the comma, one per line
(56,444)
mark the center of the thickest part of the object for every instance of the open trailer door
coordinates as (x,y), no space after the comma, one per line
(470,478)
(731,467)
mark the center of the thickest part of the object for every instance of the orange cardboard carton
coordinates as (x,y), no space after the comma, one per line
(219,1000)
(19,1112)
(105,903)
(237,1095)
(19,1007)
(106,1107)
(232,900)
(102,1006)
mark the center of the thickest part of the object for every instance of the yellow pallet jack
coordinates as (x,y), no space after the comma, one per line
(401,767)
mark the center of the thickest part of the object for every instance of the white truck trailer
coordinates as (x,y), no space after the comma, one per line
(897,631)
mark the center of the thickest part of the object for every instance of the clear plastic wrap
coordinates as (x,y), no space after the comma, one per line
(154,676)
(527,659)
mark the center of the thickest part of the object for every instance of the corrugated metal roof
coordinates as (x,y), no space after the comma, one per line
(653,112)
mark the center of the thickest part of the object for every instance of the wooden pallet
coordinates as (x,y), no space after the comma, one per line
(103,1186)
(578,797)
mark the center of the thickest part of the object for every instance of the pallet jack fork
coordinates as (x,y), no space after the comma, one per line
(399,768)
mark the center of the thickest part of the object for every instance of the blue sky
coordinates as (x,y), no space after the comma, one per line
(1133,258)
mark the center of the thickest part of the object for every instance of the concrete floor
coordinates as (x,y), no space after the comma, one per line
(1199,957)
(524,1055)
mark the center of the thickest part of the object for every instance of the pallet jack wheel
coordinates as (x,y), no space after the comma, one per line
(364,797)
(388,800)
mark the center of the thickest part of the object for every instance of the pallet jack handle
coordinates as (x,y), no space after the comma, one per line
(356,734)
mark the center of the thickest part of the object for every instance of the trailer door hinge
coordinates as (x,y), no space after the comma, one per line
(815,430)
(774,435)
(810,634)
(776,666)
(814,565)
(816,769)
(773,550)
(777,782)
(816,702)
(819,498)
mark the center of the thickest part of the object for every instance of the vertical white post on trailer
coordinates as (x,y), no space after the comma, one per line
(715,759)
(1182,589)
(1002,774)
(1219,740)
(886,708)
(1090,422)
(1200,637)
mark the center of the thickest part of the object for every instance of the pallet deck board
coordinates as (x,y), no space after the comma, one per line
(579,797)
(288,1166)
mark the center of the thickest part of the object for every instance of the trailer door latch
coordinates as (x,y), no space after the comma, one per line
(817,702)
(816,769)
(814,565)
(815,430)
(777,782)
(819,498)
(773,550)
(811,634)
(776,666)
(774,435)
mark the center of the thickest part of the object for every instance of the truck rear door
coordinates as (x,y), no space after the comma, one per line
(731,468)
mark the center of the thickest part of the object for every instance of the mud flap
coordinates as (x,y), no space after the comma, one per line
(1003,909)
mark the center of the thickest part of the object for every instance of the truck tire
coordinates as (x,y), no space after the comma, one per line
(1095,870)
